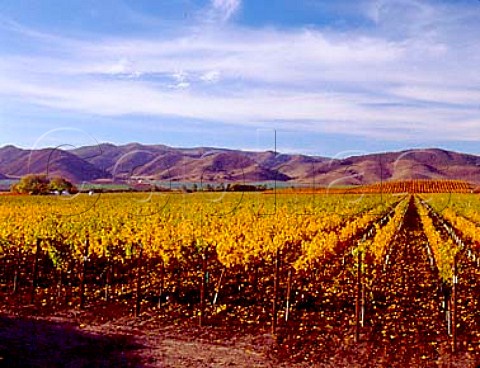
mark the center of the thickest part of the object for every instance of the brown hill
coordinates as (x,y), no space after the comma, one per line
(15,163)
(160,162)
(411,164)
(182,164)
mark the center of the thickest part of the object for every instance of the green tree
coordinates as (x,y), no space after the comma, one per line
(60,184)
(40,184)
(32,184)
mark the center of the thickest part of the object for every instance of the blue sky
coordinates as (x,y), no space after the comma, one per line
(330,77)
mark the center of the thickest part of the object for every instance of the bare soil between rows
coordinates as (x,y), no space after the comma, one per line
(94,337)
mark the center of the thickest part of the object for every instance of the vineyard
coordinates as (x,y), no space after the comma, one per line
(387,187)
(383,280)
(417,186)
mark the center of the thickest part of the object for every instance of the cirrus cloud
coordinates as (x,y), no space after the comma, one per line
(224,9)
(385,82)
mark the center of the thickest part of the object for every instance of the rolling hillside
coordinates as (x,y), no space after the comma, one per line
(15,162)
(160,162)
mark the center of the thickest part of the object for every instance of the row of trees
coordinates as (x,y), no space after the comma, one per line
(235,187)
(41,184)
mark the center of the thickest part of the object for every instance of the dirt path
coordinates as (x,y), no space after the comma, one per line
(407,316)
(74,339)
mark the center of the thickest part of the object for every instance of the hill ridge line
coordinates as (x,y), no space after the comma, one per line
(108,161)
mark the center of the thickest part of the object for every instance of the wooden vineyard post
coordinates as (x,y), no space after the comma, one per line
(4,270)
(289,292)
(276,278)
(363,306)
(35,271)
(219,285)
(108,272)
(203,282)
(17,271)
(449,316)
(454,305)
(68,282)
(138,291)
(178,276)
(447,301)
(84,273)
(160,291)
(255,278)
(358,297)
(113,273)
(60,283)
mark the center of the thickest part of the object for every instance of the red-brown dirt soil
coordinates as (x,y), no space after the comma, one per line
(100,337)
(96,338)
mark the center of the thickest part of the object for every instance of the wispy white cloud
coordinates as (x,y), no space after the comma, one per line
(124,67)
(212,76)
(22,30)
(441,95)
(419,13)
(369,83)
(223,10)
(180,80)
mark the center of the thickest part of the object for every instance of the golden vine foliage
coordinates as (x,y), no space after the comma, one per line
(378,244)
(324,243)
(444,249)
(241,229)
